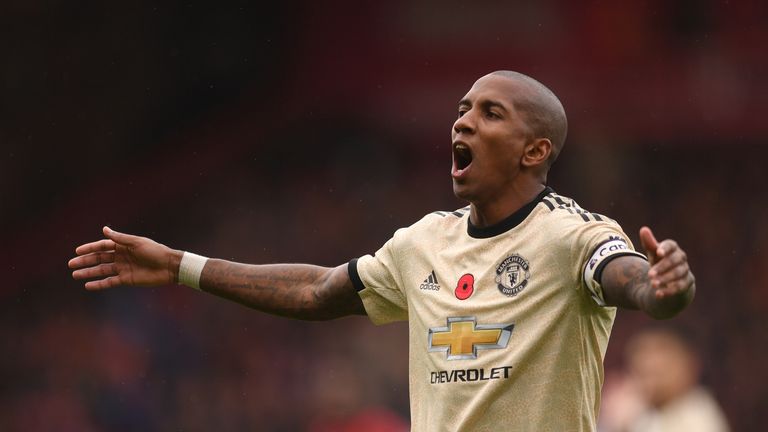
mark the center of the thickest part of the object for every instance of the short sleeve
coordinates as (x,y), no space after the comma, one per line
(597,244)
(376,278)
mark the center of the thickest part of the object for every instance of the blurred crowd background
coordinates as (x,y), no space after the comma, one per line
(307,131)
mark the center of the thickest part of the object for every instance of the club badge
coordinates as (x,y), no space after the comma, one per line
(512,275)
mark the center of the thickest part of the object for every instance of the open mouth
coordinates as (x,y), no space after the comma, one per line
(462,158)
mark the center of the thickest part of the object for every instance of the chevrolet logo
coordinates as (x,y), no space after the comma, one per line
(463,337)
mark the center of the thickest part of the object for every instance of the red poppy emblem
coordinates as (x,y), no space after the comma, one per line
(465,287)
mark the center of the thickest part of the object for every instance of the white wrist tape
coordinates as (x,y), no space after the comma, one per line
(190,269)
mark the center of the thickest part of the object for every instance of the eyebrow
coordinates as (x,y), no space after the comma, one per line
(484,104)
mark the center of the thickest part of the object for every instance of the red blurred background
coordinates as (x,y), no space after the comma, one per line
(309,132)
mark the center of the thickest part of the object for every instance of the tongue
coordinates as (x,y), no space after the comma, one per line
(461,168)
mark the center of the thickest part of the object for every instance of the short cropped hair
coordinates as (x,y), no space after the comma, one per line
(543,112)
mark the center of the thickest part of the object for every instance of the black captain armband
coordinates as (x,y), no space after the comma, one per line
(604,253)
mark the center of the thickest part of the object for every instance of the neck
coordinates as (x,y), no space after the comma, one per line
(491,212)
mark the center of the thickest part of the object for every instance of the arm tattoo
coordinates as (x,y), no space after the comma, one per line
(626,284)
(292,290)
(624,281)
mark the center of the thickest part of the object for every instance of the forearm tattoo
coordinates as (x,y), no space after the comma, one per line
(626,284)
(292,290)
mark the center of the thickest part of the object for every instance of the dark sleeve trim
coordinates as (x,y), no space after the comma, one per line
(354,276)
(599,270)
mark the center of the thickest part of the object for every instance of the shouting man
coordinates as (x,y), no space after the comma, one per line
(510,301)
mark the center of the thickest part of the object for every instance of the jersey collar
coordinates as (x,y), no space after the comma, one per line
(509,222)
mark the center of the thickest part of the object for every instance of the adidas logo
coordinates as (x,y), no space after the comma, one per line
(430,283)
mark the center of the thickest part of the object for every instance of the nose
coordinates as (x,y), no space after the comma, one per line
(464,124)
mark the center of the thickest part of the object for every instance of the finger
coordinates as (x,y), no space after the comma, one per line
(667,247)
(91,260)
(649,242)
(674,288)
(97,246)
(674,274)
(118,237)
(105,283)
(100,270)
(675,258)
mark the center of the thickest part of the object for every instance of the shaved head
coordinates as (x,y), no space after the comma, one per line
(542,110)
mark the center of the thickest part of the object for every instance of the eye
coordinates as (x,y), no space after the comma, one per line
(493,115)
(462,111)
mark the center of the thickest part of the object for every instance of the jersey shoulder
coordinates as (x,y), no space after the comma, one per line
(568,210)
(457,214)
(436,223)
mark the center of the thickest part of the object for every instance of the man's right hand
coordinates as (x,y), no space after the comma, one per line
(123,259)
(299,291)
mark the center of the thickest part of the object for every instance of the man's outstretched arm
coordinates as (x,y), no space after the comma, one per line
(662,287)
(298,291)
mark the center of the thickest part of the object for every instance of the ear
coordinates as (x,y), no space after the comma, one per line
(536,152)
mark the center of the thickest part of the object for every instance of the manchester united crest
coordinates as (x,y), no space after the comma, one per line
(512,275)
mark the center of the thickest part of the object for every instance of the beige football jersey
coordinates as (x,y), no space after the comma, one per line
(505,332)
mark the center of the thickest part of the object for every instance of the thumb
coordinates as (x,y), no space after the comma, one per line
(117,237)
(650,244)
